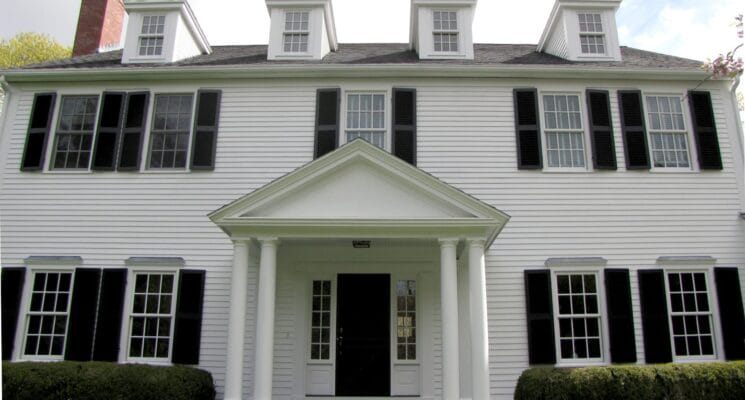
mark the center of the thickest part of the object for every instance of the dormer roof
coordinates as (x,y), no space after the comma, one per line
(582,30)
(162,31)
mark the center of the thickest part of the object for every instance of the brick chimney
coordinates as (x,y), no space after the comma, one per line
(99,26)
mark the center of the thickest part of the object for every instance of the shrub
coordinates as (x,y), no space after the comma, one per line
(100,380)
(710,381)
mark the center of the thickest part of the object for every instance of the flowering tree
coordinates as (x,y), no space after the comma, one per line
(727,65)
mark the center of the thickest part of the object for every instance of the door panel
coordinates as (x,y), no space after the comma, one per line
(363,335)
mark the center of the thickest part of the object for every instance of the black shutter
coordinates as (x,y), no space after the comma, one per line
(655,325)
(12,288)
(109,128)
(39,127)
(540,313)
(110,311)
(705,130)
(133,131)
(327,121)
(188,330)
(204,144)
(620,316)
(603,147)
(731,312)
(527,129)
(634,131)
(82,321)
(404,124)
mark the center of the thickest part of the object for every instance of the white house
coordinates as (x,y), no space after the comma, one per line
(317,219)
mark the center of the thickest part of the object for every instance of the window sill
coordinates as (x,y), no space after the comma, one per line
(559,170)
(320,362)
(700,359)
(406,362)
(581,363)
(165,171)
(671,170)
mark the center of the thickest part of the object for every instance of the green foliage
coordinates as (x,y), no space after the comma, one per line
(99,380)
(30,48)
(710,381)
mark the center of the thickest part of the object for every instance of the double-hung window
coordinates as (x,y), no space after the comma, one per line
(151,35)
(296,33)
(445,31)
(565,145)
(48,312)
(151,317)
(171,129)
(691,317)
(366,118)
(578,317)
(74,139)
(591,34)
(667,132)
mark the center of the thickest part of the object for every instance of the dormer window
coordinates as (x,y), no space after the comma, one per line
(591,34)
(296,32)
(151,35)
(445,31)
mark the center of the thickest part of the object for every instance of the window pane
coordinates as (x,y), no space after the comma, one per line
(47,314)
(578,318)
(690,315)
(320,333)
(406,319)
(151,316)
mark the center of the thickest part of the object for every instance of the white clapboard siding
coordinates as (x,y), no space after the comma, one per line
(465,137)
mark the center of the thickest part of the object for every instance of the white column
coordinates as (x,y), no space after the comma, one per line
(237,322)
(265,320)
(479,320)
(449,307)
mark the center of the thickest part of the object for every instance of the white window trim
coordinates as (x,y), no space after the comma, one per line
(309,324)
(458,32)
(49,152)
(22,326)
(692,156)
(585,132)
(147,140)
(603,34)
(716,323)
(124,340)
(308,32)
(386,92)
(395,277)
(141,35)
(599,272)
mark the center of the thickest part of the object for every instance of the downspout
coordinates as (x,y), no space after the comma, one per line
(740,139)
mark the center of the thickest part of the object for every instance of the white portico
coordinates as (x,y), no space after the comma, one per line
(427,238)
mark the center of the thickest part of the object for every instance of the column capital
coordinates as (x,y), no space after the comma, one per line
(476,242)
(452,241)
(268,240)
(240,243)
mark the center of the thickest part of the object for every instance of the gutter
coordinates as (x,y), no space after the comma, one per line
(5,104)
(347,71)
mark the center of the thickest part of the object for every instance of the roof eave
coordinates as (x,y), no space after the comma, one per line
(345,70)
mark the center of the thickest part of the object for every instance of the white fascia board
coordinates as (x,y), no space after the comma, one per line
(196,30)
(169,73)
(552,20)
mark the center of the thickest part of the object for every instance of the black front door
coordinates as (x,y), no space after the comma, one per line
(363,335)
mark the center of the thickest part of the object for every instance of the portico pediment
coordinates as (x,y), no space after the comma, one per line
(357,189)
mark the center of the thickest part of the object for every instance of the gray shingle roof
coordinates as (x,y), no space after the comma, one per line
(383,53)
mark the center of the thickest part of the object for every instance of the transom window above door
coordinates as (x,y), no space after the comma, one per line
(366,118)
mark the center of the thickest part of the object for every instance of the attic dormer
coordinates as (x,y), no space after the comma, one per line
(301,29)
(582,30)
(162,31)
(442,29)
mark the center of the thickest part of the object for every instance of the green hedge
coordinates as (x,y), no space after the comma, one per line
(710,381)
(99,380)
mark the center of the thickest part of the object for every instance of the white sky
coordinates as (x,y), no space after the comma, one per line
(697,29)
